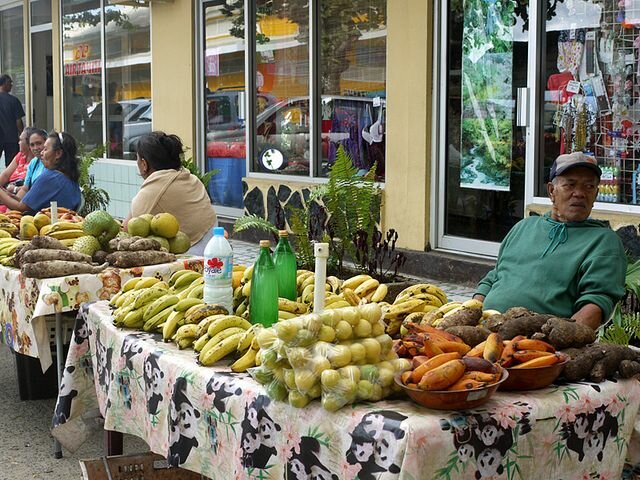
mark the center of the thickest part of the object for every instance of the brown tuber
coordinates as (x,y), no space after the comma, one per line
(565,332)
(525,325)
(598,362)
(59,268)
(45,254)
(137,259)
(472,336)
(42,241)
(464,316)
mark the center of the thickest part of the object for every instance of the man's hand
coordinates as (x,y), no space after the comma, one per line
(589,315)
(479,297)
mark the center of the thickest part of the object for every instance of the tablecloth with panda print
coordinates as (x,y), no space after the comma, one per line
(25,302)
(223,425)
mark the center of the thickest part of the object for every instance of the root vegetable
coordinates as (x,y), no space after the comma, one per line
(494,322)
(59,268)
(100,256)
(478,365)
(629,368)
(464,316)
(137,259)
(472,336)
(607,366)
(598,362)
(20,251)
(43,255)
(563,333)
(443,376)
(493,348)
(525,325)
(145,244)
(42,241)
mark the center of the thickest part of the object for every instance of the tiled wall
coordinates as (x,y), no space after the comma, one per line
(121,180)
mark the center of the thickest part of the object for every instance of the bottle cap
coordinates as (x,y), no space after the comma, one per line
(218,231)
(265,243)
(283,233)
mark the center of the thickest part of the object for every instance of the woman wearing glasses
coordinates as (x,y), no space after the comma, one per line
(58,182)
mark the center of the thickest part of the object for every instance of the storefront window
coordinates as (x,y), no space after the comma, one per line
(353,85)
(40,12)
(590,100)
(128,75)
(128,81)
(225,103)
(12,49)
(282,83)
(487,61)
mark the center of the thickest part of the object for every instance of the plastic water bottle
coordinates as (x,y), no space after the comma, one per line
(286,267)
(218,268)
(263,300)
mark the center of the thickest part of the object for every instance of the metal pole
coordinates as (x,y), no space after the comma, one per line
(57,448)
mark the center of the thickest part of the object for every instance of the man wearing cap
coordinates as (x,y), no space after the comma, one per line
(562,263)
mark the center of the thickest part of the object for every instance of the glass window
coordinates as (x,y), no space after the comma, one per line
(590,93)
(353,84)
(127,62)
(128,81)
(12,49)
(40,12)
(282,84)
(225,102)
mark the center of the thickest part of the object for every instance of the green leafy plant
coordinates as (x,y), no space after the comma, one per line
(254,222)
(189,164)
(624,326)
(94,198)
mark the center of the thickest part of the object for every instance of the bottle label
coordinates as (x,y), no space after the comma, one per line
(218,268)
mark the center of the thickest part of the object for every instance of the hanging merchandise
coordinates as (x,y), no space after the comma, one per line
(570,50)
(487,111)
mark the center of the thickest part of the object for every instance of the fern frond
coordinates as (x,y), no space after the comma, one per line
(632,278)
(615,334)
(249,222)
(299,223)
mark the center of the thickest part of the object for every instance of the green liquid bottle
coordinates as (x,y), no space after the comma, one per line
(286,267)
(263,300)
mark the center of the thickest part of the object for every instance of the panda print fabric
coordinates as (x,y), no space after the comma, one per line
(183,424)
(259,432)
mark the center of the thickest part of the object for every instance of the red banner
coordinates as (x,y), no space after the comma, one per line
(82,68)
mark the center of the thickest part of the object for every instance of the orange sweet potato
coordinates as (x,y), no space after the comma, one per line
(442,377)
(493,348)
(540,362)
(526,355)
(432,363)
(530,344)
(466,384)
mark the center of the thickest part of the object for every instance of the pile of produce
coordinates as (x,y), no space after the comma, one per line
(134,251)
(10,223)
(417,299)
(341,356)
(46,257)
(8,247)
(163,228)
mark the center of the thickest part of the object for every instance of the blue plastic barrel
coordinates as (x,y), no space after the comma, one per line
(225,186)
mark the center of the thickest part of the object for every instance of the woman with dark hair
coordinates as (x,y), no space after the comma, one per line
(168,187)
(58,182)
(14,174)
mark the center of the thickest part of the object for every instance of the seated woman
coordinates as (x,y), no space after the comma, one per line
(14,174)
(168,187)
(58,182)
(36,138)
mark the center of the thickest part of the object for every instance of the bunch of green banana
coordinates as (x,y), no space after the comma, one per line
(8,248)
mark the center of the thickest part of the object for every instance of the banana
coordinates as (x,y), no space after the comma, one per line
(239,268)
(473,304)
(225,322)
(127,298)
(424,288)
(246,276)
(488,313)
(247,338)
(159,305)
(245,362)
(354,282)
(246,289)
(186,303)
(209,356)
(307,293)
(133,319)
(185,291)
(310,280)
(187,331)
(185,342)
(161,317)
(185,279)
(190,310)
(205,311)
(199,344)
(447,307)
(64,234)
(302,276)
(291,306)
(242,308)
(365,287)
(147,296)
(146,282)
(115,298)
(335,283)
(379,293)
(350,297)
(282,315)
(120,313)
(131,283)
(60,226)
(203,326)
(197,292)
(404,308)
(452,311)
(339,304)
(171,325)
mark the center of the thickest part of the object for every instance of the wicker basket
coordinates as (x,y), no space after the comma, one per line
(145,466)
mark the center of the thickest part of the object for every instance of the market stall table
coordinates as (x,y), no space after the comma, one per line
(224,426)
(26,302)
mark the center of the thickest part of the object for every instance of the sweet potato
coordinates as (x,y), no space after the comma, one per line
(542,361)
(42,241)
(493,348)
(472,336)
(44,254)
(443,376)
(432,363)
(59,268)
(137,259)
(478,365)
(526,355)
(477,351)
(466,384)
(629,368)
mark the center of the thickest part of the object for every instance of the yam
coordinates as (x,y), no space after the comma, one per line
(464,316)
(138,259)
(20,251)
(608,365)
(629,368)
(44,254)
(494,322)
(580,365)
(100,256)
(472,336)
(517,312)
(42,241)
(525,325)
(59,268)
(564,333)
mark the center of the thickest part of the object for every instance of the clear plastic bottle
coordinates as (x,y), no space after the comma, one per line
(286,267)
(263,300)
(218,268)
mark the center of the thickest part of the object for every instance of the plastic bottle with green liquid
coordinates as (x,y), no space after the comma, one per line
(286,267)
(263,300)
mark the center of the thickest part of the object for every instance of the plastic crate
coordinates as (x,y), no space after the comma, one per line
(145,466)
(33,384)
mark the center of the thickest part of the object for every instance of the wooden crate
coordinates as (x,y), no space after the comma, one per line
(145,466)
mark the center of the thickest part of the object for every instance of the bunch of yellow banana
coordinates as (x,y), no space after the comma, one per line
(419,298)
(363,287)
(218,335)
(8,248)
(10,228)
(63,230)
(149,303)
